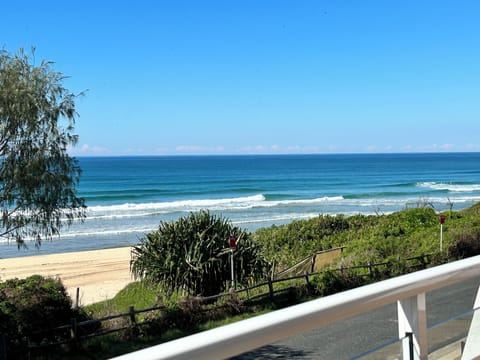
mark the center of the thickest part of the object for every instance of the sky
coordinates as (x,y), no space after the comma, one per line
(261,76)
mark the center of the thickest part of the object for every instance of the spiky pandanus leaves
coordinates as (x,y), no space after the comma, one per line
(192,255)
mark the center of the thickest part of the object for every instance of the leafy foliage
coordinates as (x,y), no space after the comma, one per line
(192,255)
(38,178)
(332,281)
(289,243)
(28,306)
(376,238)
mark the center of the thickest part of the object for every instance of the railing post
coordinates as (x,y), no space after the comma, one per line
(470,349)
(411,348)
(412,326)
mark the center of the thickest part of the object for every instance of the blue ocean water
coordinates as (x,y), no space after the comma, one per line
(129,196)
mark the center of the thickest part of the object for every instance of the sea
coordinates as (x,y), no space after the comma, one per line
(128,197)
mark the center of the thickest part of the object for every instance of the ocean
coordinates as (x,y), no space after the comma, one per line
(129,196)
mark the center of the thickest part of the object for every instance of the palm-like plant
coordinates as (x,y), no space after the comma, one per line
(192,255)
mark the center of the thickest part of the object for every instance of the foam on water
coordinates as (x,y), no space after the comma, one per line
(181,205)
(450,187)
(127,197)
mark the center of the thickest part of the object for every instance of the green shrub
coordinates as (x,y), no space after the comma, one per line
(192,255)
(30,306)
(466,244)
(332,281)
(287,244)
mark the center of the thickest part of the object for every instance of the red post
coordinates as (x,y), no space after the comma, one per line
(233,242)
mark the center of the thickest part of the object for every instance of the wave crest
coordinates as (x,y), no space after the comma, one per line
(450,187)
(239,203)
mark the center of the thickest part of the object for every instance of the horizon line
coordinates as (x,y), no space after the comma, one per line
(275,154)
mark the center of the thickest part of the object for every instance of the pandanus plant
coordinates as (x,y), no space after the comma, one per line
(192,256)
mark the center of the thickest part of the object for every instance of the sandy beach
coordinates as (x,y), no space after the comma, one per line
(99,274)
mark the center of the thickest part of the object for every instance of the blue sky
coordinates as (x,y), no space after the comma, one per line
(273,76)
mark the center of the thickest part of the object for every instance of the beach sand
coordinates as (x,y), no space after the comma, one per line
(99,274)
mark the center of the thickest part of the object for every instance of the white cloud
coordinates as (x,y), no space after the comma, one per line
(447,147)
(261,149)
(278,149)
(471,147)
(135,151)
(87,149)
(194,149)
(294,149)
(408,148)
(435,147)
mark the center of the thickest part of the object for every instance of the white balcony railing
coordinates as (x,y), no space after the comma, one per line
(407,290)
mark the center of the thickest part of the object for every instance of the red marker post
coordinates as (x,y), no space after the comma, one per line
(442,221)
(233,246)
(233,242)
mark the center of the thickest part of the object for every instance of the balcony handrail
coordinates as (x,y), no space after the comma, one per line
(252,333)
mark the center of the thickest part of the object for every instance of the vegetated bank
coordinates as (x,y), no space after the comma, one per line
(376,238)
(370,239)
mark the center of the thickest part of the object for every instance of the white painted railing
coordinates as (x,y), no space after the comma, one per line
(407,290)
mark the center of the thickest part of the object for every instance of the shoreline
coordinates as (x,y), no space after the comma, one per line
(99,274)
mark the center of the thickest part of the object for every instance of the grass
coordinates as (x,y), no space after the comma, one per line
(134,294)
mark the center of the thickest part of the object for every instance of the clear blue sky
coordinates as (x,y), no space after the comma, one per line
(273,76)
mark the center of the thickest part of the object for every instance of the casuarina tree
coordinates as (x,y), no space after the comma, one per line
(192,255)
(38,178)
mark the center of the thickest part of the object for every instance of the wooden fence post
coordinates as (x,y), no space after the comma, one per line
(133,320)
(77,298)
(3,347)
(74,332)
(26,342)
(423,262)
(74,329)
(270,289)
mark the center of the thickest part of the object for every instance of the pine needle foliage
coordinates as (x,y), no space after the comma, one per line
(192,256)
(38,179)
